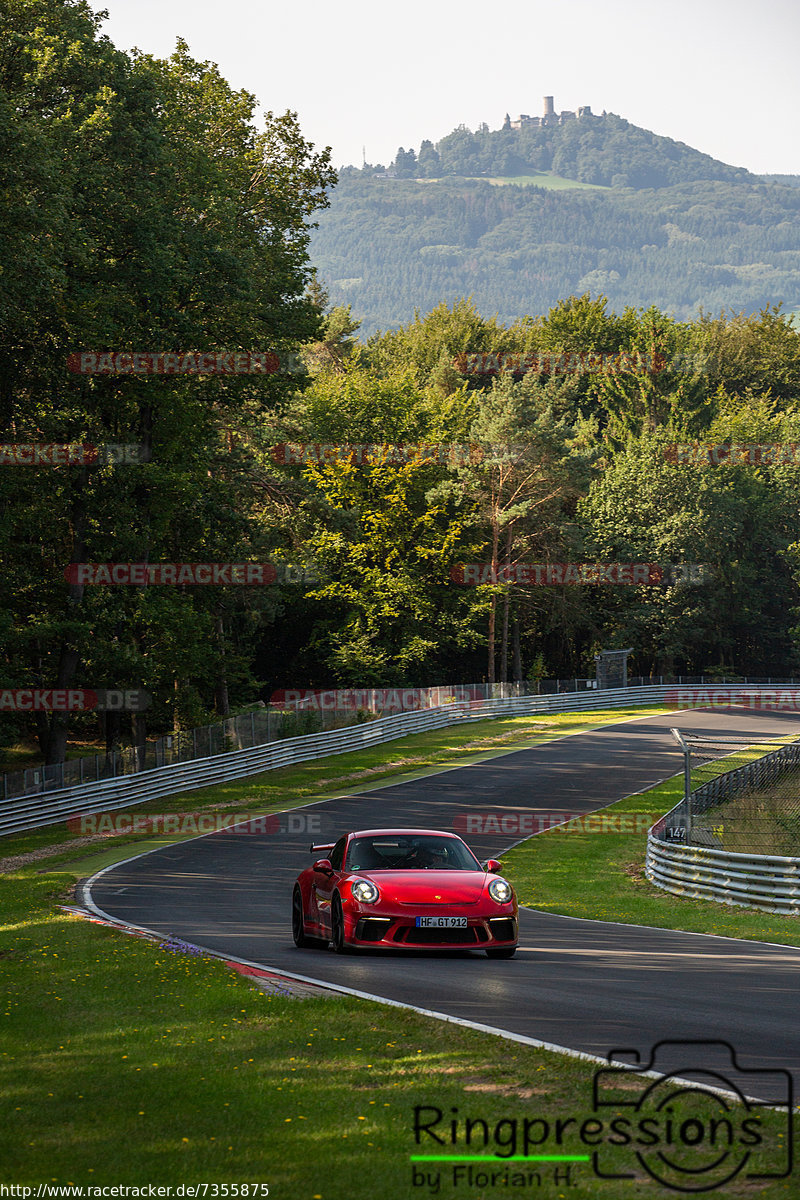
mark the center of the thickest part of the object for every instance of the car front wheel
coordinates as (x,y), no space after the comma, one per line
(340,946)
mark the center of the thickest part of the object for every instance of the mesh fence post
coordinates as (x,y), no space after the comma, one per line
(687,783)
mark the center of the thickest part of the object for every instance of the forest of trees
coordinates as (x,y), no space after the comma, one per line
(390,246)
(163,221)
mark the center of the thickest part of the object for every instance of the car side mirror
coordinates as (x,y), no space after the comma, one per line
(323,865)
(492,865)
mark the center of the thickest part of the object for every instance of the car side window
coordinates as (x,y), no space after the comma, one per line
(337,854)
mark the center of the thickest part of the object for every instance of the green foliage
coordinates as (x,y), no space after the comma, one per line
(166,222)
(164,219)
(605,150)
(389,247)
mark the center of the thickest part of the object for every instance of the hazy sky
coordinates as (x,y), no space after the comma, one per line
(721,75)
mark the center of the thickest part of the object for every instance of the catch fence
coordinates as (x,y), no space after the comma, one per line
(735,835)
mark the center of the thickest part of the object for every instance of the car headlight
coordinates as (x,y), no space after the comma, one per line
(365,891)
(500,891)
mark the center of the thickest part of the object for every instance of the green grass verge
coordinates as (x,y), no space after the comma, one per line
(124,1063)
(600,876)
(557,183)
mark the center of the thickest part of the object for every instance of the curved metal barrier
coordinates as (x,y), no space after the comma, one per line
(33,812)
(770,882)
(766,881)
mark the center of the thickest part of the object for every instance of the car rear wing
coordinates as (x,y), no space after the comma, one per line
(312,849)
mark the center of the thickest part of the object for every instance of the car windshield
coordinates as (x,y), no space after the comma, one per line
(388,852)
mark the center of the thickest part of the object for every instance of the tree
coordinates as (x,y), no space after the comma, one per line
(531,468)
(736,520)
(648,387)
(167,221)
(428,161)
(382,535)
(405,163)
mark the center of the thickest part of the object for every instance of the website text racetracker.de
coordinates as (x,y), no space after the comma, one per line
(387,699)
(185,824)
(521,824)
(195,1191)
(556,574)
(727,697)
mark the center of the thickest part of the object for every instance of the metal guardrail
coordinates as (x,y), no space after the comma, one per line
(770,882)
(230,734)
(279,719)
(766,881)
(34,812)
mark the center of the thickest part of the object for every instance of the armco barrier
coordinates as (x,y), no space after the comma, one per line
(767,881)
(33,812)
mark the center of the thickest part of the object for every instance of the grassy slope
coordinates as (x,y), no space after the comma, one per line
(121,1062)
(536,179)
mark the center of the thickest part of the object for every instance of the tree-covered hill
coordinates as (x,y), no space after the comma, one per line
(660,223)
(605,150)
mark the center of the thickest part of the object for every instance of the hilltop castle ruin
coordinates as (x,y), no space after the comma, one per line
(550,116)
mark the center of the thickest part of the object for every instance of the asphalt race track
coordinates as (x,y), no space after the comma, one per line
(584,985)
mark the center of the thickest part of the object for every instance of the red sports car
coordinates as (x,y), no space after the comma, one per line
(403,888)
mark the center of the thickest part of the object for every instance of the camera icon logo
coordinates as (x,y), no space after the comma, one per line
(696,1121)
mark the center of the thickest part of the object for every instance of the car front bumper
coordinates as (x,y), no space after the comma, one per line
(398,931)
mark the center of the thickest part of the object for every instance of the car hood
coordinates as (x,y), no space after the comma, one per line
(429,886)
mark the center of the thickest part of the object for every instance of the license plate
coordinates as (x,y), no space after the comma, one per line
(441,922)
